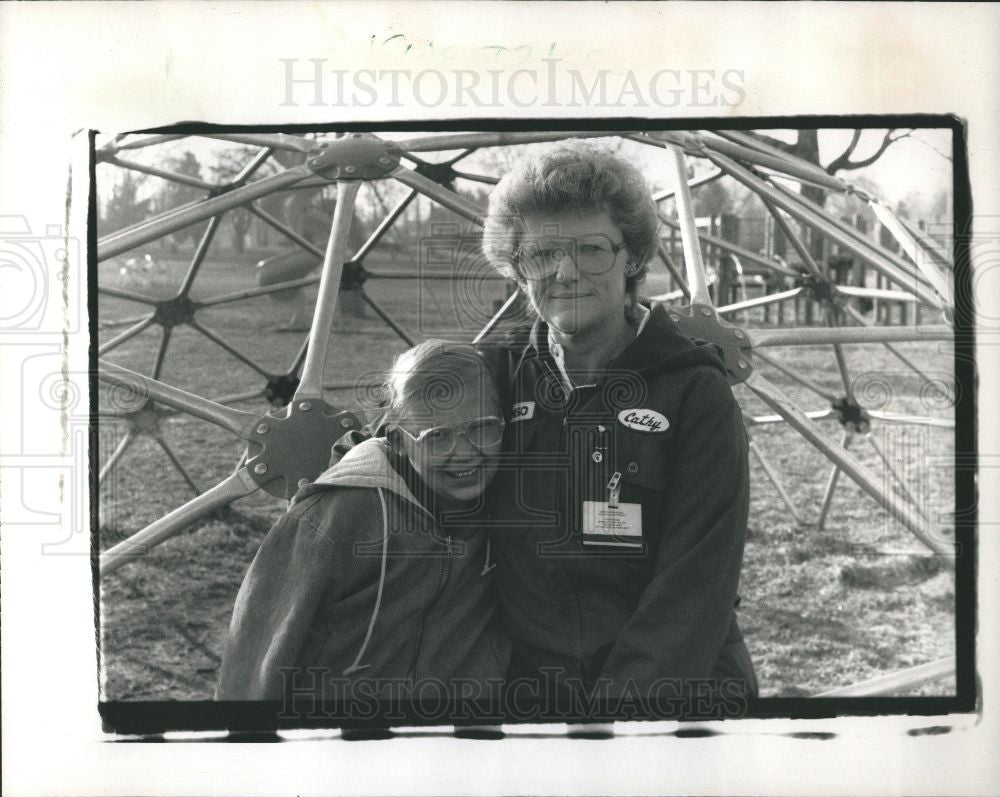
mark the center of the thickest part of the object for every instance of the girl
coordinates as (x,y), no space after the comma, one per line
(373,581)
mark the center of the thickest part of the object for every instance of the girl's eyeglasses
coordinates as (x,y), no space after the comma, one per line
(441,440)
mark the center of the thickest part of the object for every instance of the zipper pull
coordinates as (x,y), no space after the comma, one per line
(449,544)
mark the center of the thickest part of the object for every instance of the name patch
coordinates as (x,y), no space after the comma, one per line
(644,420)
(522,411)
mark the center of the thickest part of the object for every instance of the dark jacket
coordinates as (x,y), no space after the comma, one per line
(626,608)
(361,581)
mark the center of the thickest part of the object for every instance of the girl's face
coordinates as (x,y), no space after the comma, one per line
(577,296)
(464,472)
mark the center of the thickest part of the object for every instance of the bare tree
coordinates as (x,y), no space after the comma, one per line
(806,146)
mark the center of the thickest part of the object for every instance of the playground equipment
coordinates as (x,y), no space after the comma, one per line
(289,443)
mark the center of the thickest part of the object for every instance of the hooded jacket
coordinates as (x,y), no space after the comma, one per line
(360,582)
(656,599)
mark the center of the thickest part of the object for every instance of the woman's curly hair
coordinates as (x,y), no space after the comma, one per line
(574,176)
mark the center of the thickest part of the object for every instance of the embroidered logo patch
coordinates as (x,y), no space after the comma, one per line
(644,420)
(522,411)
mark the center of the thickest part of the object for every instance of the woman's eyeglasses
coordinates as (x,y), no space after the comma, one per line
(441,440)
(593,254)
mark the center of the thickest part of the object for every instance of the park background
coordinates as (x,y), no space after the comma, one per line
(825,604)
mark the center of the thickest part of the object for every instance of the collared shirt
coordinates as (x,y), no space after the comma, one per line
(556,349)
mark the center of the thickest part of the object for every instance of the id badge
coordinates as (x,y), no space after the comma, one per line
(615,524)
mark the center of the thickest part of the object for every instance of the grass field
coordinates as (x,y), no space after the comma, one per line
(820,608)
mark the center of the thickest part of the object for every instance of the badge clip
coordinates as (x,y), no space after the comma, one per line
(614,488)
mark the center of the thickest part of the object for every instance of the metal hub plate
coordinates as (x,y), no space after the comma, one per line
(356,156)
(701,321)
(293,444)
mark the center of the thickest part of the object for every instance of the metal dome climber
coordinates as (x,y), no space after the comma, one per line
(290,442)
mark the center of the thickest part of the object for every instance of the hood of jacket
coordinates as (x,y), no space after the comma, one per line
(661,346)
(366,464)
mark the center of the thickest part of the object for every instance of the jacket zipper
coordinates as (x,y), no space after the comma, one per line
(442,582)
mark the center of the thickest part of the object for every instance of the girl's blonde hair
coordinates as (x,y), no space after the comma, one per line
(436,375)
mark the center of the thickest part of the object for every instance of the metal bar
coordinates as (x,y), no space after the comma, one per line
(805,336)
(823,223)
(383,226)
(770,298)
(436,191)
(417,275)
(868,481)
(477,178)
(272,140)
(131,297)
(115,456)
(387,318)
(199,255)
(893,683)
(252,166)
(479,140)
(234,398)
(905,360)
(669,296)
(735,249)
(696,144)
(841,358)
(802,380)
(285,230)
(160,217)
(703,179)
(829,490)
(915,420)
(693,265)
(759,420)
(299,358)
(117,243)
(165,174)
(161,351)
(235,486)
(773,476)
(498,316)
(119,322)
(121,337)
(771,175)
(249,293)
(845,377)
(876,293)
(783,162)
(929,243)
(149,141)
(176,462)
(668,261)
(311,384)
(235,421)
(804,255)
(737,137)
(914,251)
(350,385)
(212,336)
(892,471)
(852,232)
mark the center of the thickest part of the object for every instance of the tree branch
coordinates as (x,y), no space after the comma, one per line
(844,157)
(845,163)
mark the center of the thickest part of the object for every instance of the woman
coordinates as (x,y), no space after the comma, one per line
(370,585)
(620,521)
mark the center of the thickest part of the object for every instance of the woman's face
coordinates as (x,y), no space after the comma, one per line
(571,299)
(463,473)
